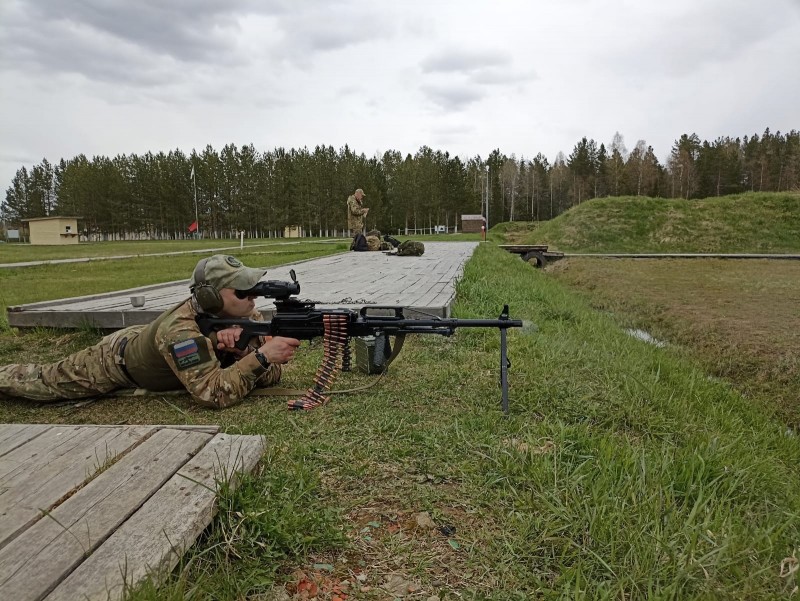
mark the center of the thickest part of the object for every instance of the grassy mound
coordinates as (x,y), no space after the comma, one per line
(745,223)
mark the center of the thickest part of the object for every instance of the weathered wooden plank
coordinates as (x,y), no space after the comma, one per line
(152,541)
(15,435)
(46,553)
(57,440)
(35,476)
(436,291)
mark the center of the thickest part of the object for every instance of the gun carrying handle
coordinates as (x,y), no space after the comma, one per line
(398,311)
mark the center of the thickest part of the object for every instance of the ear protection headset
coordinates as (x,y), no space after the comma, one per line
(207,296)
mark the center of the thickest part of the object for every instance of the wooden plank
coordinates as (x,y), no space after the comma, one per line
(58,440)
(152,541)
(46,553)
(433,293)
(15,435)
(36,476)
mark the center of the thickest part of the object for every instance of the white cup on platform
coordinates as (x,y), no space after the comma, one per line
(137,301)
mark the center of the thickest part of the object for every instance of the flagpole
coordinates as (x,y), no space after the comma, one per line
(194,185)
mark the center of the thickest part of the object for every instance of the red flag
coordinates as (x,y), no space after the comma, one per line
(193,227)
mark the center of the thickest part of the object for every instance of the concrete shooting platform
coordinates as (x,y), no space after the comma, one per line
(425,284)
(88,511)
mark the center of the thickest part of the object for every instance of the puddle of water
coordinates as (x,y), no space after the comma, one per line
(645,337)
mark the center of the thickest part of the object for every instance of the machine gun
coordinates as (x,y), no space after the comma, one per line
(300,319)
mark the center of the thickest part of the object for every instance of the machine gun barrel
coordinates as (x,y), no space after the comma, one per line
(298,319)
(308,325)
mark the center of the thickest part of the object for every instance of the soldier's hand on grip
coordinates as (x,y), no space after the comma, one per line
(279,349)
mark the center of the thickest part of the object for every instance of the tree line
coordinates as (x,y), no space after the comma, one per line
(242,189)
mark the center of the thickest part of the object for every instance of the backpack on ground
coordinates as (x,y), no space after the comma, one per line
(359,243)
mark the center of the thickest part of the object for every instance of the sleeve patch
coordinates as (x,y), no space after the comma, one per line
(189,353)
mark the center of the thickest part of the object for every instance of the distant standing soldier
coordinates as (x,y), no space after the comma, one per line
(356,212)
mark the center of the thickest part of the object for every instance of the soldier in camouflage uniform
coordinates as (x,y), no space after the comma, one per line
(170,353)
(411,248)
(356,212)
(374,240)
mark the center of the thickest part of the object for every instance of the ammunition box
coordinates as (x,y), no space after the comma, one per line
(372,353)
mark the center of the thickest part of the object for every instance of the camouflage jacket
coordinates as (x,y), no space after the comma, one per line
(355,214)
(171,353)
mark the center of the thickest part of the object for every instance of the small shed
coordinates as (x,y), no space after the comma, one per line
(472,223)
(53,230)
(293,231)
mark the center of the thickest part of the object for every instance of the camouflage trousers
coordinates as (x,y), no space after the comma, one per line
(93,371)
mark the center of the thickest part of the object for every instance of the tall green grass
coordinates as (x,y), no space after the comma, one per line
(623,471)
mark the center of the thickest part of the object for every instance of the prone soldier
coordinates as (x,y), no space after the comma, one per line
(170,353)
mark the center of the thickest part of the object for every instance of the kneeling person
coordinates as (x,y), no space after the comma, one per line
(170,353)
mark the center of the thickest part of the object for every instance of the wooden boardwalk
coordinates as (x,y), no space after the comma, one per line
(87,510)
(350,279)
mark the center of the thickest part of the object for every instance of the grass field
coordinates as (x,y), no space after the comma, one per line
(738,318)
(13,253)
(623,472)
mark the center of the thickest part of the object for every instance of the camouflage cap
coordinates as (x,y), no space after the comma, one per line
(360,190)
(225,271)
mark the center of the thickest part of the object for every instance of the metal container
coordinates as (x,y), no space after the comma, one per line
(372,353)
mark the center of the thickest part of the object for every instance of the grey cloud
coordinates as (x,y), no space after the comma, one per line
(453,97)
(150,42)
(122,41)
(465,61)
(54,49)
(458,78)
(329,27)
(709,32)
(502,77)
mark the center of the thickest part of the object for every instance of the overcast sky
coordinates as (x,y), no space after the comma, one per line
(130,76)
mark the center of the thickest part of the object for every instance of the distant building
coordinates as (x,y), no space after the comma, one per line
(53,230)
(293,231)
(472,223)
